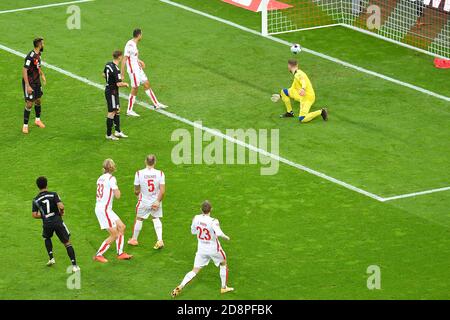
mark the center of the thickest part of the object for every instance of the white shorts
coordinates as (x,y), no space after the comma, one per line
(202,259)
(144,210)
(107,219)
(137,78)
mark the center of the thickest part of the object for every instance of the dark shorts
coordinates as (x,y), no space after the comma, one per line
(59,228)
(36,94)
(112,99)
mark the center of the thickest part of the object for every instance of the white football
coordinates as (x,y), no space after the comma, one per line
(296,48)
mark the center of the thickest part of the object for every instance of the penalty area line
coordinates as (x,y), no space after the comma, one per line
(415,194)
(209,130)
(229,138)
(45,6)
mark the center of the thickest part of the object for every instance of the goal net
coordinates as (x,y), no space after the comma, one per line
(423,25)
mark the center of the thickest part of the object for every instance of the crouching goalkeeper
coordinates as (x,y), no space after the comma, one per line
(302,91)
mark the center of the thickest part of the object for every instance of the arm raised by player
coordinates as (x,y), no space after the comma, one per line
(218,231)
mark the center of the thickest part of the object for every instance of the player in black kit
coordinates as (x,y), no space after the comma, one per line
(113,82)
(48,207)
(31,84)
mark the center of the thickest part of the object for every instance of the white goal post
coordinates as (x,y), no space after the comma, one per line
(422,25)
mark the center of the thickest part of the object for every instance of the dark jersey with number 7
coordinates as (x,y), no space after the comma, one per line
(46,203)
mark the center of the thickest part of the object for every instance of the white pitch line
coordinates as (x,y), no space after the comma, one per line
(318,54)
(231,139)
(414,194)
(45,6)
(213,132)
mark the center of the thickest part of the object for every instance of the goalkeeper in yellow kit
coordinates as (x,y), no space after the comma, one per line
(302,91)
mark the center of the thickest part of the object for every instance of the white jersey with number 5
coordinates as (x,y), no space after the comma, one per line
(150,181)
(105,186)
(207,230)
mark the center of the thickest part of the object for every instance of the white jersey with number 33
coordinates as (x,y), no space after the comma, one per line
(150,181)
(105,186)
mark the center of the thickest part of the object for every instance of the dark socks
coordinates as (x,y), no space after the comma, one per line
(37,109)
(49,247)
(117,122)
(109,125)
(26,116)
(71,254)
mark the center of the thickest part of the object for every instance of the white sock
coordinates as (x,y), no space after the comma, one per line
(158,228)
(187,278)
(131,100)
(223,271)
(103,248)
(152,97)
(119,244)
(38,119)
(137,228)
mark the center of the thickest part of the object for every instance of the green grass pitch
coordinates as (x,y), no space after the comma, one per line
(294,235)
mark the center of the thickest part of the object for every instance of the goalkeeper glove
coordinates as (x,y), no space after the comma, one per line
(275,97)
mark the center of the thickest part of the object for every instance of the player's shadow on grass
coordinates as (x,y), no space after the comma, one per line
(230,77)
(367,126)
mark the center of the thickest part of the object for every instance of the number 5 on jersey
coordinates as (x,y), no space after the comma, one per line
(151,185)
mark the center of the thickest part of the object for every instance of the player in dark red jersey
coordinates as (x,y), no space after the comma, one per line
(31,84)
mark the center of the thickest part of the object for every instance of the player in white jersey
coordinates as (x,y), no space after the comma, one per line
(149,187)
(135,68)
(207,230)
(107,190)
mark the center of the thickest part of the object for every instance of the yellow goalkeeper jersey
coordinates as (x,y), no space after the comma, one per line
(301,80)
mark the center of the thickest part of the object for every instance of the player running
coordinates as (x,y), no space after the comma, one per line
(31,84)
(302,91)
(150,187)
(49,207)
(135,68)
(208,231)
(107,190)
(113,78)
